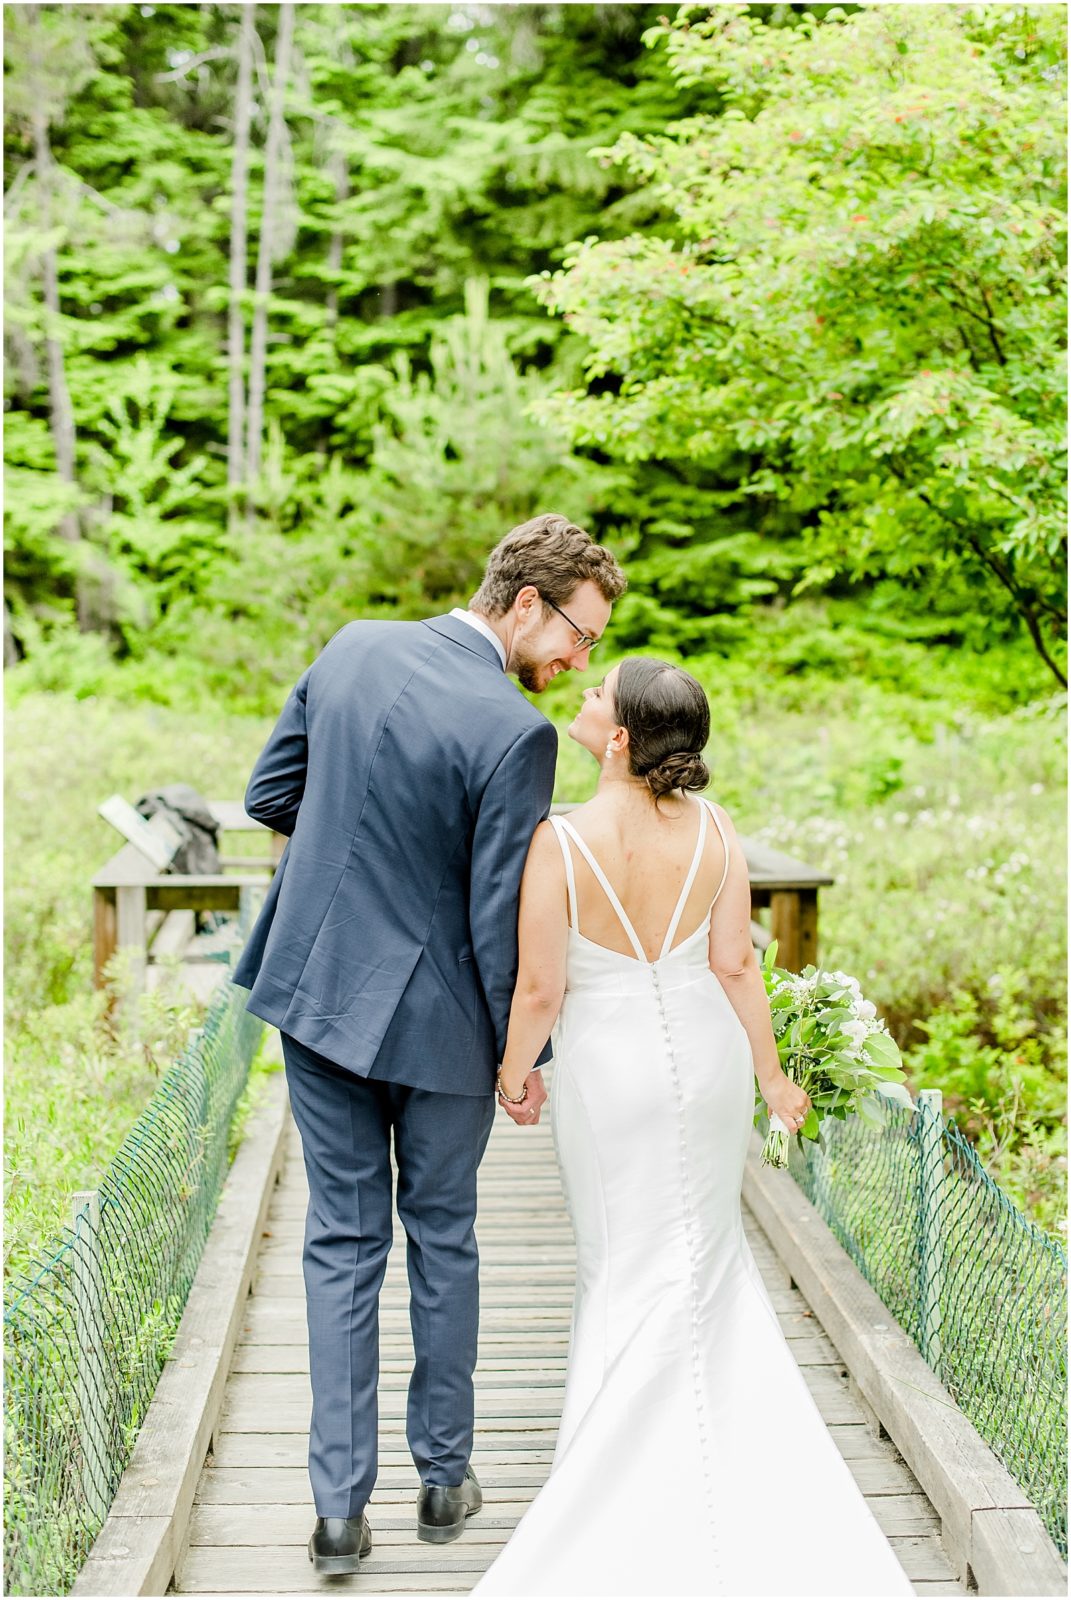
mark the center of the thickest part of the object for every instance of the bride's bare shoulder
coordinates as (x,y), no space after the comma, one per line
(544,846)
(723,816)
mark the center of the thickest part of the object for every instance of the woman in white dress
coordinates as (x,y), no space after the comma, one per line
(691,1458)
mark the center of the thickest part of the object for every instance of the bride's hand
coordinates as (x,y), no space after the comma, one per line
(526,1115)
(789,1102)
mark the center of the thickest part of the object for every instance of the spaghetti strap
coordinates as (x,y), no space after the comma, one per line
(570,879)
(607,888)
(725,870)
(697,856)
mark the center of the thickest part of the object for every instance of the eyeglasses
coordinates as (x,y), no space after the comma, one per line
(584,641)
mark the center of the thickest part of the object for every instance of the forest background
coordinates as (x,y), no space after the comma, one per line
(307,305)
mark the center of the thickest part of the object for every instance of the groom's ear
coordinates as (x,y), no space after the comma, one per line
(525,599)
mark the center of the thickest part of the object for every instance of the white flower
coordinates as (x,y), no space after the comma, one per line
(866,1009)
(856,1031)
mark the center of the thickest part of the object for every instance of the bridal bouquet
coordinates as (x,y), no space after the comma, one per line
(833,1044)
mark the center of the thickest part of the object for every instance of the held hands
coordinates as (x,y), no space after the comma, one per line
(786,1100)
(526,1114)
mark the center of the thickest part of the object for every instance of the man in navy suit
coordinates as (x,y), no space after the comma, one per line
(410,775)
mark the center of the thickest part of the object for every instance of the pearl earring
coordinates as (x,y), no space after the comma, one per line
(609,750)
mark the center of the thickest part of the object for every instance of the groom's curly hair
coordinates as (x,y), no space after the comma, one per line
(553,554)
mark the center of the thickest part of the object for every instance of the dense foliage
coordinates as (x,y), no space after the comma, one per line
(812,338)
(857,317)
(306,305)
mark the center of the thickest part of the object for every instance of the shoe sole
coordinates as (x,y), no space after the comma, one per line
(443,1535)
(338,1566)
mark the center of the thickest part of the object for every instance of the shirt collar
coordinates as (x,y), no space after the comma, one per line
(481,627)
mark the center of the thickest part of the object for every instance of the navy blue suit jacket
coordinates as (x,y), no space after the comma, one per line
(410,774)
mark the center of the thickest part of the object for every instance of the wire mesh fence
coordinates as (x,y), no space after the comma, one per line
(979,1288)
(88,1329)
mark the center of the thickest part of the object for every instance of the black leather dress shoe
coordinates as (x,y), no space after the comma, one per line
(441,1512)
(338,1543)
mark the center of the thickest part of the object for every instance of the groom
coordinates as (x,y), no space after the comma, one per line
(410,775)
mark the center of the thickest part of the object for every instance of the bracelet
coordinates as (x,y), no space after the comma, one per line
(510,1099)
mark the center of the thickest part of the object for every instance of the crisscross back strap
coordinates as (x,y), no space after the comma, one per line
(725,869)
(607,886)
(570,878)
(697,856)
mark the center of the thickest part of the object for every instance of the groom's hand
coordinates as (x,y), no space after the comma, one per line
(526,1115)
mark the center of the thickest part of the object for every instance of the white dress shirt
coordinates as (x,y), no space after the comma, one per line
(481,627)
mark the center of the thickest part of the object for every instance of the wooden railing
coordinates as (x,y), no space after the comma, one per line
(151,913)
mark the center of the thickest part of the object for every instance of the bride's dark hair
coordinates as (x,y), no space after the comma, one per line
(665,713)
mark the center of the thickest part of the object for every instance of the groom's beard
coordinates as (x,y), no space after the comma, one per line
(535,675)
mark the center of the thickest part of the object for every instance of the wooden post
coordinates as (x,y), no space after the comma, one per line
(131,932)
(931,1251)
(785,927)
(808,928)
(794,924)
(89,1331)
(105,933)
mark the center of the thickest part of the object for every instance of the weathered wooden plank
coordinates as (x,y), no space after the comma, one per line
(493,1445)
(499,1260)
(408,1554)
(275,1322)
(288,1571)
(395,1486)
(291,1358)
(1012,1554)
(254,1524)
(492,1448)
(246,1414)
(922,1557)
(899,1514)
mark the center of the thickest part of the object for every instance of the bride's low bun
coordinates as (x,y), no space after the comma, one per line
(682,769)
(666,715)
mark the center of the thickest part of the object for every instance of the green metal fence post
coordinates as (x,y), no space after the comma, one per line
(931,1245)
(89,1327)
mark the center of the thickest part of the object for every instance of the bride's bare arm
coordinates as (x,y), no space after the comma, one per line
(542,936)
(734,962)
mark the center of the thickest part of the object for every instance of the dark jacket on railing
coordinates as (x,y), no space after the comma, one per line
(410,774)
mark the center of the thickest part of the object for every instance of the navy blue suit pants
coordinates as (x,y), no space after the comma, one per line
(346,1125)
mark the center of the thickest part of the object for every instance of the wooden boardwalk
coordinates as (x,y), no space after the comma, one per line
(253,1513)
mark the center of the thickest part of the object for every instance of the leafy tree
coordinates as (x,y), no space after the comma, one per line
(426,146)
(859,312)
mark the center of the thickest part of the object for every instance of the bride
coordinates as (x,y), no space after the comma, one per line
(691,1458)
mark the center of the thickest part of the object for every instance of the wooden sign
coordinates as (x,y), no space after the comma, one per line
(157,840)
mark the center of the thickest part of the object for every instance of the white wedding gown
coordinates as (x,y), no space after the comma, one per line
(691,1458)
